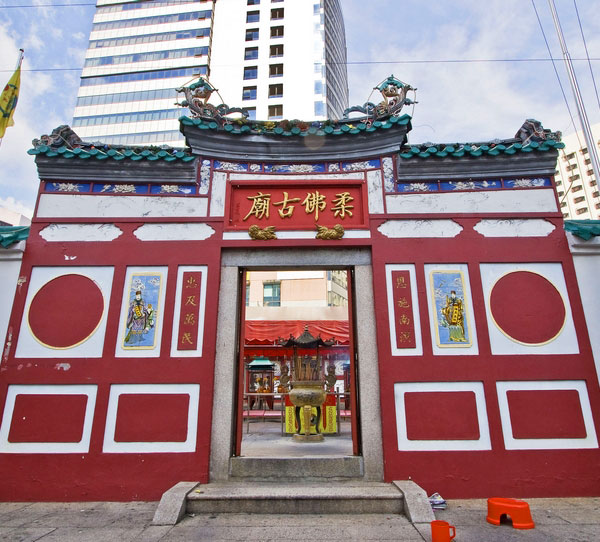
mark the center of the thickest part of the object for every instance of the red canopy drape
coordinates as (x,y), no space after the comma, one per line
(268,331)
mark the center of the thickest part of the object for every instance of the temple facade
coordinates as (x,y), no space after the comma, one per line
(467,365)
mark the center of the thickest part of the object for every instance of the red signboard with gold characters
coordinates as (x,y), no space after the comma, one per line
(299,206)
(189,311)
(403,311)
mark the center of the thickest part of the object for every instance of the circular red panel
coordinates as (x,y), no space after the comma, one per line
(527,307)
(66,311)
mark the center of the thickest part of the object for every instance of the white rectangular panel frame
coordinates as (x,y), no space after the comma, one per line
(511,443)
(83,446)
(116,390)
(418,349)
(201,312)
(404,444)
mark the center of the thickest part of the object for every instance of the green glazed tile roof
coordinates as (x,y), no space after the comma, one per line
(586,229)
(298,128)
(103,152)
(13,234)
(491,148)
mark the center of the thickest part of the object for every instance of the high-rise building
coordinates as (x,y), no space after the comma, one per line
(276,58)
(576,183)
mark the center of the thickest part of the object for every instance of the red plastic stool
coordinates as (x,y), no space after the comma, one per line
(517,510)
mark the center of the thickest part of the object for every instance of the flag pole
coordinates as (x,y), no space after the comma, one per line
(20,61)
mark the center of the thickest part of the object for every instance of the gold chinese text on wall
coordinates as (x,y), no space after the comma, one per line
(403,309)
(189,311)
(297,206)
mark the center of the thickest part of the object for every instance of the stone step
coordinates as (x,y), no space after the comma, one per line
(296,498)
(307,468)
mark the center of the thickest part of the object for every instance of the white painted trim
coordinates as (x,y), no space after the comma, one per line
(415,229)
(511,443)
(217,194)
(83,446)
(80,232)
(197,231)
(404,444)
(292,234)
(537,200)
(88,206)
(514,227)
(290,177)
(418,349)
(375,191)
(201,312)
(116,390)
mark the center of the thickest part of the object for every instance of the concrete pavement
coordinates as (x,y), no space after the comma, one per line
(573,520)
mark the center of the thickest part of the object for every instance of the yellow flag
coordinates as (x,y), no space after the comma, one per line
(8,101)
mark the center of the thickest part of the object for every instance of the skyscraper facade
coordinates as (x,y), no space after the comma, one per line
(576,184)
(276,58)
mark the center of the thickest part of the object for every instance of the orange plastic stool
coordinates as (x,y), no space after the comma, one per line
(517,510)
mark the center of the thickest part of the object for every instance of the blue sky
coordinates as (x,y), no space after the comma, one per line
(472,101)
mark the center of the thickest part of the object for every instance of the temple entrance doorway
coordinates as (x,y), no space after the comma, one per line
(296,341)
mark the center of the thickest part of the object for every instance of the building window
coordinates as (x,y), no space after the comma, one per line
(249,93)
(571,167)
(319,109)
(595,194)
(318,87)
(252,34)
(276,14)
(247,293)
(251,112)
(253,16)
(272,294)
(250,72)
(275,91)
(561,194)
(597,205)
(277,31)
(276,50)
(275,112)
(589,172)
(593,183)
(579,199)
(253,2)
(576,188)
(558,183)
(251,53)
(569,156)
(574,177)
(581,211)
(275,70)
(563,204)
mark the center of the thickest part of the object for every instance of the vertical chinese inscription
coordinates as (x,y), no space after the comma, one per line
(189,312)
(403,310)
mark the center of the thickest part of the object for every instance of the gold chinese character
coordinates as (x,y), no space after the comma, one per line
(189,319)
(403,304)
(313,203)
(191,300)
(260,206)
(286,209)
(187,338)
(400,282)
(191,283)
(404,320)
(404,336)
(341,206)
